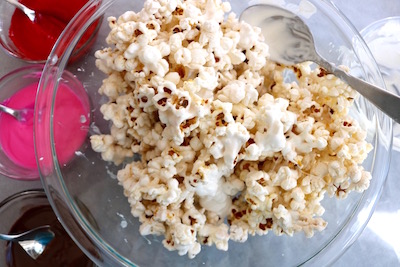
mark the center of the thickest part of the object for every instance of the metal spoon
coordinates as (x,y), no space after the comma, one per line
(27,11)
(33,241)
(21,115)
(290,42)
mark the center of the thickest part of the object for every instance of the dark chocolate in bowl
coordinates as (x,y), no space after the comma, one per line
(61,251)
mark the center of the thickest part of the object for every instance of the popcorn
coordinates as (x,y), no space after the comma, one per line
(239,232)
(218,235)
(228,148)
(182,238)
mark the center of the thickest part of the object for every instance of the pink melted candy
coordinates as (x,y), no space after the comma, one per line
(71,125)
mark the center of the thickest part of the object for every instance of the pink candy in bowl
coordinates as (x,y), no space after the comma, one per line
(18,91)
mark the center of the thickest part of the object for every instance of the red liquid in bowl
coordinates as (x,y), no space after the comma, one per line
(71,123)
(35,39)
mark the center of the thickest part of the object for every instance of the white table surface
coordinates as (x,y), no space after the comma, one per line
(379,244)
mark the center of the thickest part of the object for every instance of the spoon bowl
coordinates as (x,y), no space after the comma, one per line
(34,241)
(291,41)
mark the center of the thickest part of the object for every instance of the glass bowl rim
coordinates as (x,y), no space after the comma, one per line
(25,193)
(373,24)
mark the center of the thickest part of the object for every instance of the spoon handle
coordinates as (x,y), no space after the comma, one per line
(386,101)
(42,233)
(9,111)
(28,12)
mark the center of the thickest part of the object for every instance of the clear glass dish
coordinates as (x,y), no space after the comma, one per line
(7,11)
(17,156)
(29,209)
(91,205)
(10,84)
(383,39)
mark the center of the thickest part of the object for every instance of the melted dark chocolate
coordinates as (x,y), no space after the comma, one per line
(61,251)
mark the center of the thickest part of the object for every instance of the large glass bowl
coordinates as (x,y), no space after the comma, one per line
(90,202)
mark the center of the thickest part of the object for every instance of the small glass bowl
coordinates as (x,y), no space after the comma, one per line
(7,12)
(383,39)
(34,204)
(10,84)
(18,166)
